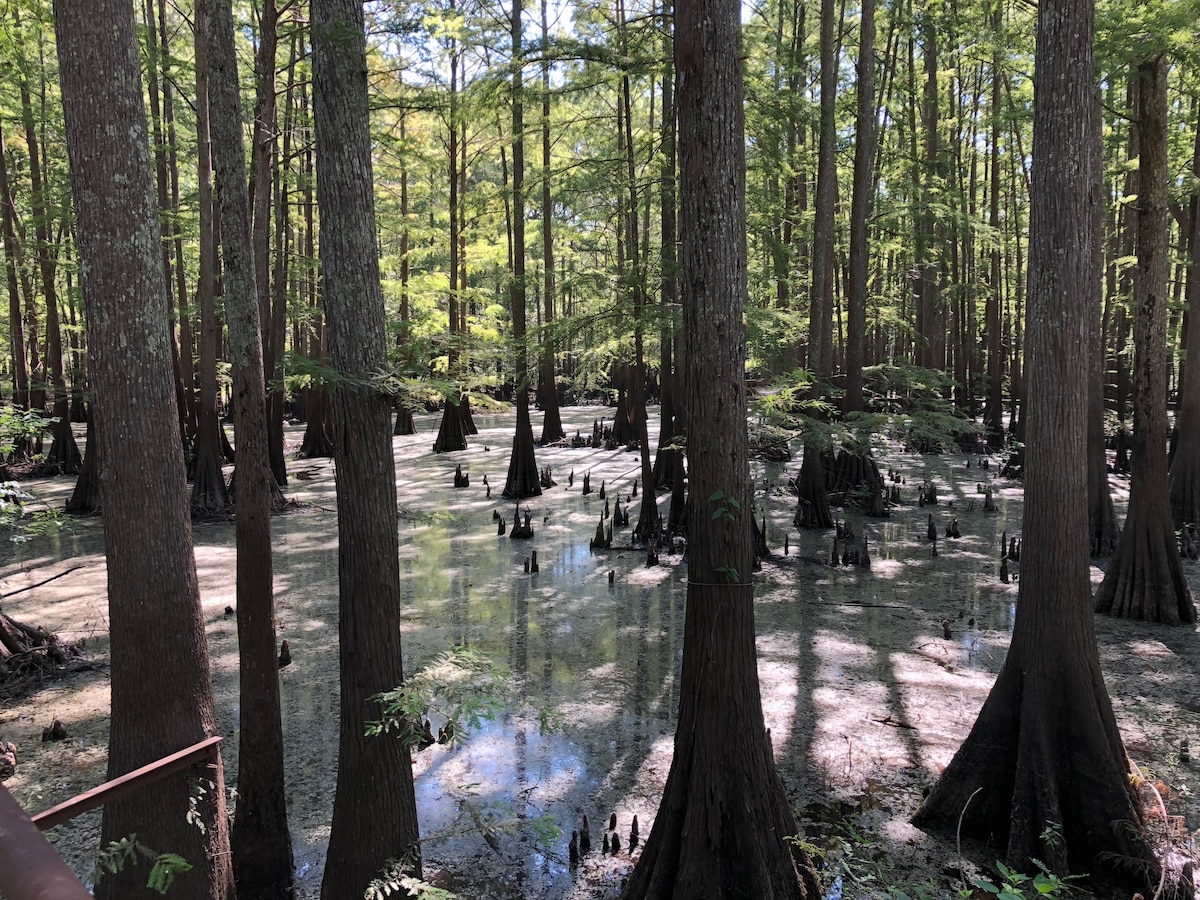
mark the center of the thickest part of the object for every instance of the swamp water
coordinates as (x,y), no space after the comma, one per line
(861,689)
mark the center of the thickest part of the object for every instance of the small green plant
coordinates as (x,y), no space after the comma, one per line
(1013,884)
(395,881)
(727,507)
(461,685)
(1052,835)
(729,573)
(129,851)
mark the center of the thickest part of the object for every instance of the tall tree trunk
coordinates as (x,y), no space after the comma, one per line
(452,433)
(187,349)
(260,840)
(522,480)
(283,244)
(208,481)
(722,825)
(1146,579)
(1045,751)
(262,151)
(932,308)
(161,185)
(1185,467)
(860,209)
(670,422)
(648,524)
(552,427)
(317,442)
(993,412)
(162,700)
(374,783)
(820,320)
(404,416)
(16,325)
(1103,531)
(64,454)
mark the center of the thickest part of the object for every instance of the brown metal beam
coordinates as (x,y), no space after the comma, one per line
(127,783)
(30,868)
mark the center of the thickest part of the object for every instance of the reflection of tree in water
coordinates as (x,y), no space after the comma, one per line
(460,603)
(518,664)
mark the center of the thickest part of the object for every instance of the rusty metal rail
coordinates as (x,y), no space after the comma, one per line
(30,867)
(127,783)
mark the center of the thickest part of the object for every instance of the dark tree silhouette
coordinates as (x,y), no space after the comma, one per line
(404,421)
(452,432)
(85,499)
(1145,579)
(317,443)
(162,697)
(812,508)
(374,807)
(722,825)
(1045,750)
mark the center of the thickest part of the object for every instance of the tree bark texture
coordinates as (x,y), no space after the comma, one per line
(374,785)
(1146,580)
(721,827)
(260,840)
(1045,749)
(162,700)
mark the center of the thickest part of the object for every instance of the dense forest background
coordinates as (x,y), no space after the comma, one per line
(917,257)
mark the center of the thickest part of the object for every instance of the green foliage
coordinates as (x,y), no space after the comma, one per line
(129,851)
(729,573)
(20,425)
(935,428)
(166,867)
(916,398)
(727,507)
(461,685)
(854,866)
(395,881)
(1016,885)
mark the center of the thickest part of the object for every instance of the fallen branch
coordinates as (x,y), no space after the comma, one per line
(40,583)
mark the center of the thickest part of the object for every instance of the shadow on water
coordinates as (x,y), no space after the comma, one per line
(860,639)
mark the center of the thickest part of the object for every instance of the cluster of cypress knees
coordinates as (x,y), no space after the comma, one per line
(581,841)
